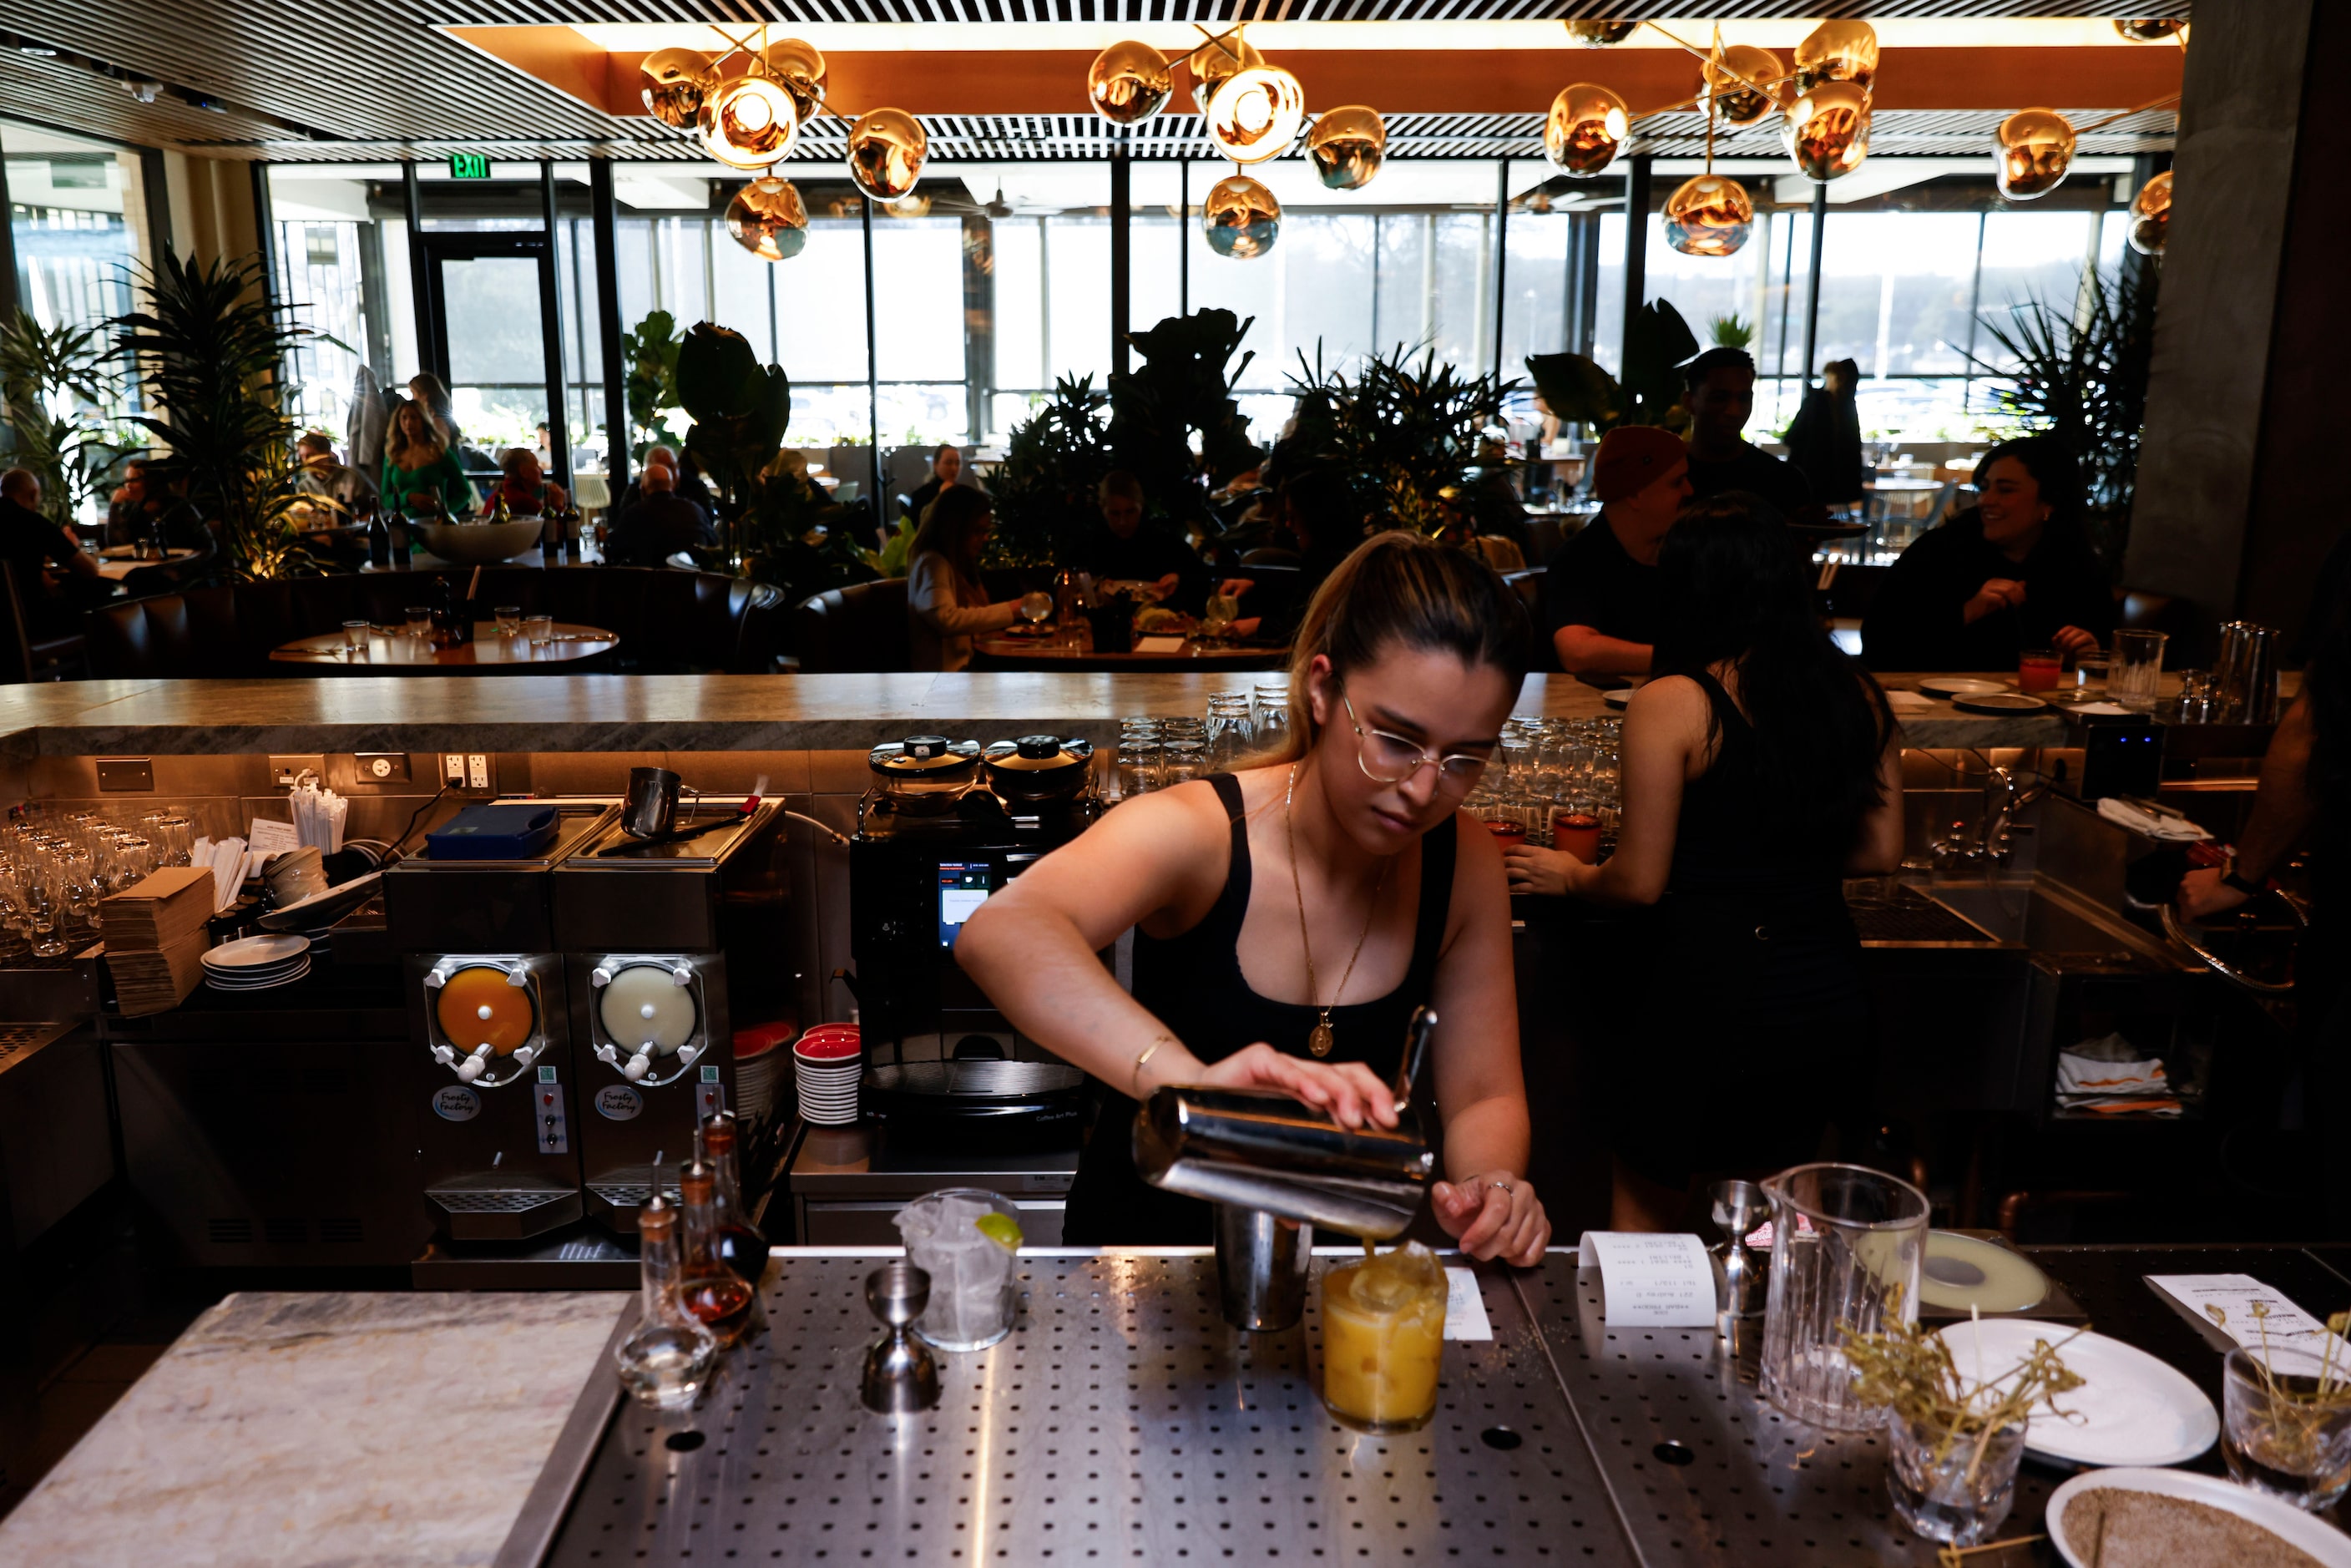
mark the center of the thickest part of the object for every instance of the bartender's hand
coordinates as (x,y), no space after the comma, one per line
(1494,1214)
(1997,594)
(1533,869)
(1233,587)
(1348,1090)
(2202,894)
(2073,640)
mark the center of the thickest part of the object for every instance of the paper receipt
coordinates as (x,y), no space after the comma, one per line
(1651,1282)
(1465,1309)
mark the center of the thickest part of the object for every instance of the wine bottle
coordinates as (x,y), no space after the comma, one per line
(446,613)
(379,538)
(396,536)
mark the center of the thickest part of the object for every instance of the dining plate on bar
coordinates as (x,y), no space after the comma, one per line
(1999,703)
(1959,686)
(2131,1409)
(256,953)
(2330,1547)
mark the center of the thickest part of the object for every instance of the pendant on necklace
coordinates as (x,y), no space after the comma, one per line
(1318,1042)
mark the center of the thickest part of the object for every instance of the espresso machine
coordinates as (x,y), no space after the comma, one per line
(489,1017)
(645,925)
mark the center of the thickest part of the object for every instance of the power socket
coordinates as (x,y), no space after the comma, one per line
(452,770)
(478,771)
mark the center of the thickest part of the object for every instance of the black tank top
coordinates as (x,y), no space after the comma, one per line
(1726,839)
(1193,982)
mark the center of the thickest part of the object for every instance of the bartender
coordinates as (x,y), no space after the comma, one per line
(1123,547)
(1289,918)
(2013,572)
(1600,592)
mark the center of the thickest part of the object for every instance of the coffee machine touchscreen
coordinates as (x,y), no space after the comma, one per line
(963,887)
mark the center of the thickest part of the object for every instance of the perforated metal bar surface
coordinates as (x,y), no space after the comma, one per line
(1121,1421)
(1708,1473)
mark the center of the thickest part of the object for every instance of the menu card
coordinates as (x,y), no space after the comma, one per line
(1465,1309)
(1651,1282)
(2227,1302)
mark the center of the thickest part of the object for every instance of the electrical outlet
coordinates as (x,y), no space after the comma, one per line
(381,766)
(478,771)
(285,771)
(452,770)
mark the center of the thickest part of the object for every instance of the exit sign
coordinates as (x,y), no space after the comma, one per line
(469,166)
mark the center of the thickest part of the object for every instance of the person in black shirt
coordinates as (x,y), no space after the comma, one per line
(661,523)
(1720,394)
(31,543)
(2011,572)
(947,468)
(1824,438)
(1600,591)
(1125,549)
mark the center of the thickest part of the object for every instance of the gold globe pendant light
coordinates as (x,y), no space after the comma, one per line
(2149,29)
(2150,215)
(1240,218)
(886,149)
(768,218)
(1585,130)
(1212,62)
(674,83)
(2037,148)
(1129,82)
(1730,79)
(1256,114)
(1838,51)
(749,122)
(1347,145)
(1711,214)
(1601,35)
(1826,130)
(800,65)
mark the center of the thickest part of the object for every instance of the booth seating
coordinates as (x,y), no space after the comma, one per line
(857,629)
(669,622)
(23,655)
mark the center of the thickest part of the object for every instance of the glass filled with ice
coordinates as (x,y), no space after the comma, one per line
(968,1241)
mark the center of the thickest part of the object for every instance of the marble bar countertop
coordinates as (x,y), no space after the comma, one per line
(704,713)
(393,1429)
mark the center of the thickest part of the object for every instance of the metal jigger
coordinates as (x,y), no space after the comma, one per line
(1737,1208)
(900,1375)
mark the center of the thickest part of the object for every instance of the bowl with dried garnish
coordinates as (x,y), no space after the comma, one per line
(2132,1518)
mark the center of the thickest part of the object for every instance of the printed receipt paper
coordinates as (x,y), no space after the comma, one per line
(1651,1282)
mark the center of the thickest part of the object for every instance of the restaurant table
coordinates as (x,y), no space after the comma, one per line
(1123,1420)
(1042,654)
(114,567)
(396,653)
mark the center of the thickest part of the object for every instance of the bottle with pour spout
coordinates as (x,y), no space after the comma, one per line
(740,1248)
(666,1360)
(715,1294)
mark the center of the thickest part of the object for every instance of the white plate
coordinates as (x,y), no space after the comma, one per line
(2289,1523)
(2131,1408)
(1998,703)
(270,985)
(1961,687)
(1617,699)
(251,952)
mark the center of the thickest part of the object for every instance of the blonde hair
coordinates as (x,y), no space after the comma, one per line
(427,449)
(1398,588)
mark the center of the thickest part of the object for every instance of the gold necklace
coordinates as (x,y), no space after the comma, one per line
(1322,1038)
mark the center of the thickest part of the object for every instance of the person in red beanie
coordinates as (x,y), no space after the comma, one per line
(1600,594)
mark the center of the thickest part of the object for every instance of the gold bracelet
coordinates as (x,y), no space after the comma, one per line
(1134,1077)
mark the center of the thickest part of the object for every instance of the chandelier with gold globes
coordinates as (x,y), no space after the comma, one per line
(1823,105)
(749,118)
(1254,110)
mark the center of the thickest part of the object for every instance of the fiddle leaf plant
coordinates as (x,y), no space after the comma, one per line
(740,408)
(651,352)
(1657,343)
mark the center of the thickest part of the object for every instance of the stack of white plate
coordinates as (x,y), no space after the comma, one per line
(257,963)
(829,1060)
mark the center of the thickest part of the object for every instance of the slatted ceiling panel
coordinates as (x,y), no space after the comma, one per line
(1917,132)
(70,98)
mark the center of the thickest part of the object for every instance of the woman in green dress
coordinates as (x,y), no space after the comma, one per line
(420,473)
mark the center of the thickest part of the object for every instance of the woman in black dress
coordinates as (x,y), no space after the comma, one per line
(1761,767)
(1290,917)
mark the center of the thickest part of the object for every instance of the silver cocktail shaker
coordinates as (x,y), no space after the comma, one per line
(2245,677)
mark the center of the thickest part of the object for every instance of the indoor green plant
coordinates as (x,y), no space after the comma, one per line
(651,351)
(209,349)
(1406,436)
(56,383)
(1052,462)
(1656,344)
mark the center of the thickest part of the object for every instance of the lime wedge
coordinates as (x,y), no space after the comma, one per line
(1000,1229)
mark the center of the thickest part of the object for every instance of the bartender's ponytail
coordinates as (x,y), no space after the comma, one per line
(1398,588)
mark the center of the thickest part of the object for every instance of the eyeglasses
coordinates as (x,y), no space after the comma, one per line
(1388,759)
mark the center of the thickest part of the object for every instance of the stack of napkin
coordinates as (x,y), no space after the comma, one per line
(2150,824)
(2108,1076)
(229,863)
(156,937)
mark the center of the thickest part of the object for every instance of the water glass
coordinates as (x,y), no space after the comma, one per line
(1035,606)
(1230,733)
(1137,769)
(2275,1437)
(1183,760)
(539,629)
(510,619)
(1955,1488)
(355,636)
(973,1293)
(2090,671)
(418,623)
(1846,1245)
(2135,669)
